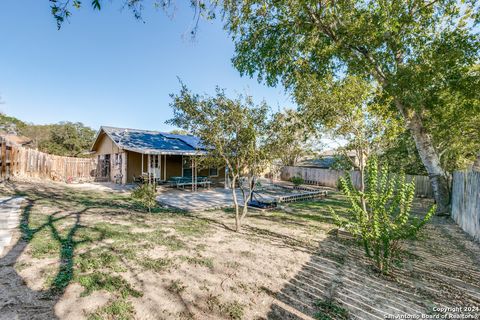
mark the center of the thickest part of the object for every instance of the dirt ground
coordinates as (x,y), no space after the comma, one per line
(81,254)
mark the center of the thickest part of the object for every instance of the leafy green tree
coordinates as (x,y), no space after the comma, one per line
(290,138)
(386,220)
(11,124)
(233,131)
(176,131)
(400,155)
(64,138)
(67,139)
(411,50)
(345,109)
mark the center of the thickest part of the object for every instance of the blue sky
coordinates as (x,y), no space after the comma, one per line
(106,68)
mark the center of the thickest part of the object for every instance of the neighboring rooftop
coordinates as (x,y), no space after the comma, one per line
(15,139)
(152,142)
(323,163)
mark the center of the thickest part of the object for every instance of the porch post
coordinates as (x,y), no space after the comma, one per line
(148,167)
(160,167)
(165,168)
(193,176)
(196,173)
(142,164)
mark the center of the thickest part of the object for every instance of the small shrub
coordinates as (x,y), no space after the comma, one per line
(380,217)
(297,181)
(145,194)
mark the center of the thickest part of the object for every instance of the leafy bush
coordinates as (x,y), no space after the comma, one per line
(381,215)
(297,181)
(145,194)
(340,184)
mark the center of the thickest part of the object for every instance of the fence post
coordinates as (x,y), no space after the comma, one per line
(3,159)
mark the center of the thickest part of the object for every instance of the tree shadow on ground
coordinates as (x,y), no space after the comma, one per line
(17,300)
(338,282)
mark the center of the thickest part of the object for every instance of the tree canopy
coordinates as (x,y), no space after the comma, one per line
(233,131)
(420,55)
(63,138)
(412,51)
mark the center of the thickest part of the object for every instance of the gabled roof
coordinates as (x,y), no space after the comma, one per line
(151,142)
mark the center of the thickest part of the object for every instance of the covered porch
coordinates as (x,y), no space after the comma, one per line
(172,169)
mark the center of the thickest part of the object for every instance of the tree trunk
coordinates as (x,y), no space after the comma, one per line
(246,200)
(476,164)
(362,181)
(430,158)
(235,203)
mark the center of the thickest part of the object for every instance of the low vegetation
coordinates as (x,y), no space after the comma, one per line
(145,195)
(83,246)
(297,181)
(380,217)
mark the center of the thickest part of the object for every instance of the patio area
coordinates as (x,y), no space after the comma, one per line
(216,198)
(198,200)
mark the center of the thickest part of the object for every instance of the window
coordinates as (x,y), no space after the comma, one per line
(213,172)
(154,161)
(187,167)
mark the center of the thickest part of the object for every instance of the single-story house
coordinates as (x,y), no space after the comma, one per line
(123,155)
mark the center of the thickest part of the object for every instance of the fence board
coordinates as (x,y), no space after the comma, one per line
(329,178)
(466,201)
(29,163)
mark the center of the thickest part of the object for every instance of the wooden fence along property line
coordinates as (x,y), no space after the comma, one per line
(466,201)
(17,161)
(5,160)
(329,178)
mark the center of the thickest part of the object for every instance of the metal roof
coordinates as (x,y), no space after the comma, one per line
(153,142)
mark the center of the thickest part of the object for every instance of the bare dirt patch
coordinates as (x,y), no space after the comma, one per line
(95,255)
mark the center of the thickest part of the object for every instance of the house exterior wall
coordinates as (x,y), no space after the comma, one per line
(216,180)
(174,166)
(105,145)
(134,165)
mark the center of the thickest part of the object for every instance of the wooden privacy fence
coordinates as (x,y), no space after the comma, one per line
(5,160)
(17,161)
(466,201)
(329,178)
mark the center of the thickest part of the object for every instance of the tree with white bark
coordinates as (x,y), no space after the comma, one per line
(345,109)
(413,51)
(410,50)
(234,133)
